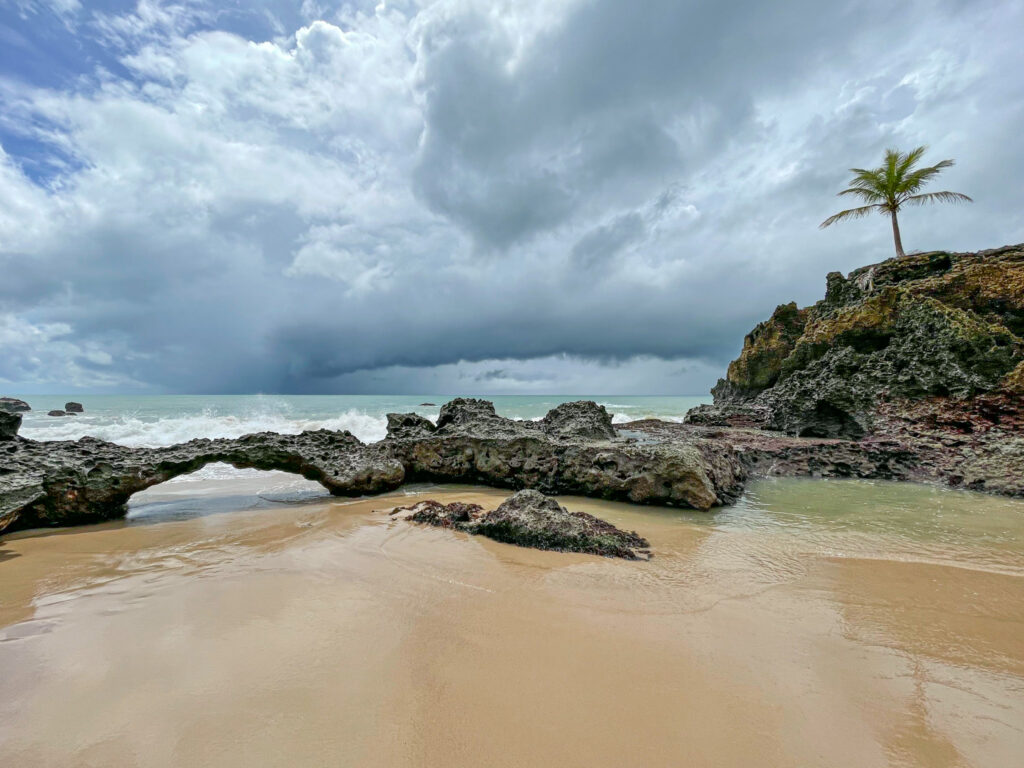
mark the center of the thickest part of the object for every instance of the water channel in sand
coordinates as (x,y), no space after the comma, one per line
(816,623)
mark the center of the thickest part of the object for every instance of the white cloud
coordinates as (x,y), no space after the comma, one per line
(530,187)
(33,354)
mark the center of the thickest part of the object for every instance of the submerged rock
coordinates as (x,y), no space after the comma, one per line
(74,407)
(13,405)
(430,512)
(57,413)
(531,519)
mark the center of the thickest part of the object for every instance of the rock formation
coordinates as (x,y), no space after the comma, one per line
(9,425)
(574,450)
(927,325)
(73,407)
(531,519)
(926,350)
(89,480)
(13,405)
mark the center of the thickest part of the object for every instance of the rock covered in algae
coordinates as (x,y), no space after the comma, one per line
(947,325)
(531,519)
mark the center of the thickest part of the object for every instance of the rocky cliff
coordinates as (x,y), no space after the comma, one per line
(926,350)
(940,326)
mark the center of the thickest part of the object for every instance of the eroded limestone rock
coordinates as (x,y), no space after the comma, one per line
(89,480)
(926,325)
(923,354)
(13,405)
(560,454)
(531,519)
(9,425)
(573,450)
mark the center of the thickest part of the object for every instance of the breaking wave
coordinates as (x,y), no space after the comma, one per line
(133,431)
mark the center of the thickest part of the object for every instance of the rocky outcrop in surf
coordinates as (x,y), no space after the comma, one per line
(572,450)
(13,405)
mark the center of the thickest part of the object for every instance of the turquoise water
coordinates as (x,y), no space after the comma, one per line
(152,420)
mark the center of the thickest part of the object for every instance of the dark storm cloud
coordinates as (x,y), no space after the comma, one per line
(556,195)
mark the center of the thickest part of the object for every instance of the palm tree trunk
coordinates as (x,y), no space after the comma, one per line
(896,235)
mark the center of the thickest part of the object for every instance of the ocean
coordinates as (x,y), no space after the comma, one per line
(155,420)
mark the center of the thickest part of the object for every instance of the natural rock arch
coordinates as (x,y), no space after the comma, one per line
(574,449)
(71,483)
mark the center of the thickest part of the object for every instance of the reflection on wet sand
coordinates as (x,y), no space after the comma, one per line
(817,623)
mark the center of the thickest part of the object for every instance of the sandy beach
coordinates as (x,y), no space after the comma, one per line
(233,631)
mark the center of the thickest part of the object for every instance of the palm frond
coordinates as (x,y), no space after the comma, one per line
(893,158)
(868,182)
(868,195)
(938,197)
(909,160)
(852,213)
(914,181)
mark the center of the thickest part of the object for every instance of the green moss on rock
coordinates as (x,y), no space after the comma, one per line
(935,324)
(531,519)
(1014,381)
(766,348)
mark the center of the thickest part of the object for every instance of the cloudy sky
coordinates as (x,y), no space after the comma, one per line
(465,196)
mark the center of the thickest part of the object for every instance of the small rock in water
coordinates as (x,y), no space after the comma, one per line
(56,413)
(74,407)
(13,405)
(432,405)
(431,512)
(531,519)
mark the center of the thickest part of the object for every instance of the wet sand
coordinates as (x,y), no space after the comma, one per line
(816,624)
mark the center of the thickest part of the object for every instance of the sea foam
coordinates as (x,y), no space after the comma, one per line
(133,431)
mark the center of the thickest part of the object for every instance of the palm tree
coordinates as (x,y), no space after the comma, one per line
(895,184)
